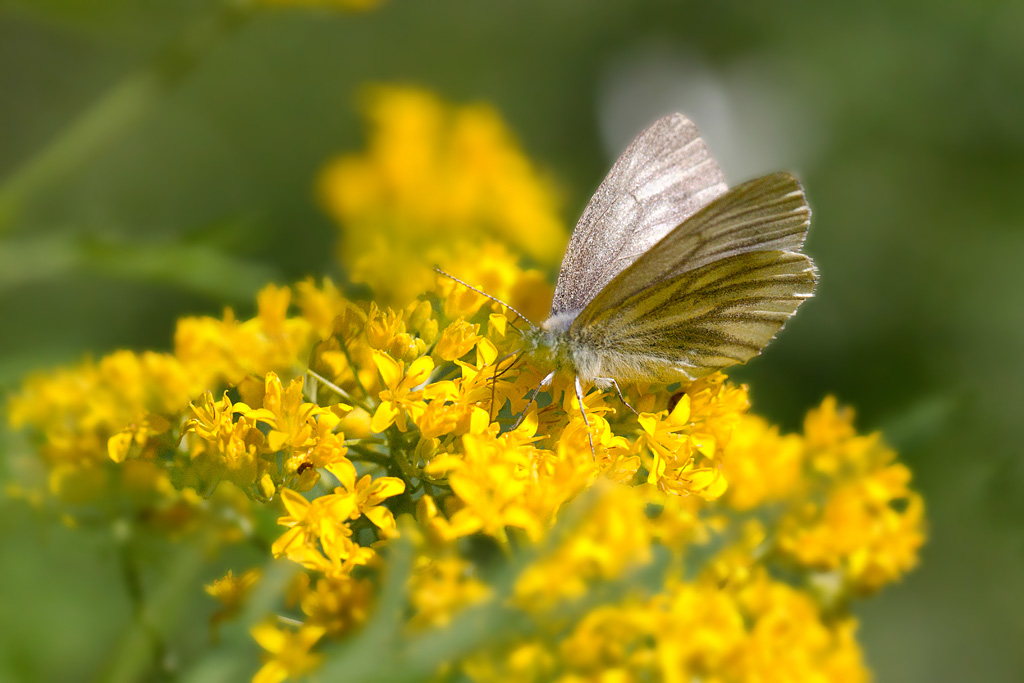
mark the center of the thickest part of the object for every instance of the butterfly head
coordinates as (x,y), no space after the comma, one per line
(548,345)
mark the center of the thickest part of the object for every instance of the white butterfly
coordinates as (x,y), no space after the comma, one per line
(669,275)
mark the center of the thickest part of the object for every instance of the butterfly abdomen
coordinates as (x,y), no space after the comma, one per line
(600,366)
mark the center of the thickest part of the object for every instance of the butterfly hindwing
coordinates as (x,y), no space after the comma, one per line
(697,322)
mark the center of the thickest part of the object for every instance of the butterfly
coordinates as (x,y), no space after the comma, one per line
(669,274)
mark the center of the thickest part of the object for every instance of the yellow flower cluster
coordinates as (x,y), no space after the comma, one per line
(128,409)
(410,412)
(689,541)
(436,183)
(848,509)
(762,630)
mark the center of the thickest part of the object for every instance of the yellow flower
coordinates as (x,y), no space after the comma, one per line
(119,445)
(762,465)
(288,653)
(210,420)
(338,603)
(614,536)
(788,641)
(291,420)
(834,507)
(321,305)
(828,425)
(490,480)
(445,410)
(308,522)
(123,396)
(861,531)
(228,351)
(505,481)
(231,592)
(677,456)
(330,444)
(399,397)
(440,587)
(386,331)
(491,268)
(369,495)
(334,553)
(457,340)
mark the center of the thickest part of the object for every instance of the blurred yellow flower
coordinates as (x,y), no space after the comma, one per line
(440,587)
(435,180)
(288,652)
(231,592)
(457,340)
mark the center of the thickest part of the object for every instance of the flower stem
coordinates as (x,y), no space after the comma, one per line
(120,107)
(141,646)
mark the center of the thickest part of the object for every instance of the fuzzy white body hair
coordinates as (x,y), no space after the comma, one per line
(556,344)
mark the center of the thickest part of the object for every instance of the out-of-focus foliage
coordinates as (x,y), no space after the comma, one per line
(901,120)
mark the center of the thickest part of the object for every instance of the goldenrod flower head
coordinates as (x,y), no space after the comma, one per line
(405,438)
(438,387)
(435,181)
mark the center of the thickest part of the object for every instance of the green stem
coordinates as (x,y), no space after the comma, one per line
(119,108)
(354,368)
(341,392)
(360,453)
(141,645)
(400,455)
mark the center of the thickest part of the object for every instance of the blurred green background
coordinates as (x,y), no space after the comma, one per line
(904,119)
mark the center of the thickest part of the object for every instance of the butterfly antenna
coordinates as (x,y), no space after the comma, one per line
(515,361)
(485,294)
(494,382)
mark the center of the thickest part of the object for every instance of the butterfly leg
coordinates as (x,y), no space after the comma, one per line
(533,397)
(583,412)
(494,381)
(494,389)
(618,391)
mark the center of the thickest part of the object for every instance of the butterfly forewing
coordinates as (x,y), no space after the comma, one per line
(697,322)
(662,178)
(768,213)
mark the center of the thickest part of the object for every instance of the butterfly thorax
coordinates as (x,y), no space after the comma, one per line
(554,346)
(548,345)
